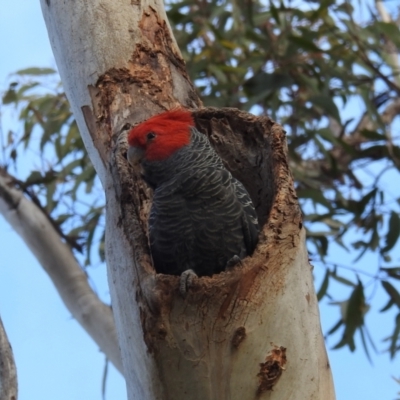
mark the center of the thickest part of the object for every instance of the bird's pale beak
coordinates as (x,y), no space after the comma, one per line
(135,155)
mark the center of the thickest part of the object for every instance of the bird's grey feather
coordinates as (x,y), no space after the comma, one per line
(201,216)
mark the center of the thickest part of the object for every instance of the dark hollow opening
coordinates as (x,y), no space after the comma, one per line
(243,141)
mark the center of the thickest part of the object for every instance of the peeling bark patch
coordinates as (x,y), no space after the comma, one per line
(151,64)
(156,31)
(146,86)
(248,282)
(152,76)
(230,295)
(238,337)
(115,80)
(162,332)
(308,298)
(92,128)
(271,369)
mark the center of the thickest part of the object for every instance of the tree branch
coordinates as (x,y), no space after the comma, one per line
(391,49)
(57,259)
(8,372)
(317,168)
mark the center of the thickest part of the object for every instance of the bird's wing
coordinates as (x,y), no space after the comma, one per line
(249,219)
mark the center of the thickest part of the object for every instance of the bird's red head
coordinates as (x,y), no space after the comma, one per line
(160,136)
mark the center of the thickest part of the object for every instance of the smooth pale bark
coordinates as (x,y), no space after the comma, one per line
(240,333)
(57,259)
(8,372)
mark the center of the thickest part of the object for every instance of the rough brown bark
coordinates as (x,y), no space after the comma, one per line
(154,80)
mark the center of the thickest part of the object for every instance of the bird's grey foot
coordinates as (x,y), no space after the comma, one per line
(186,280)
(233,262)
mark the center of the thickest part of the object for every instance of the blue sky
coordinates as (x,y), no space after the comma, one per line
(55,358)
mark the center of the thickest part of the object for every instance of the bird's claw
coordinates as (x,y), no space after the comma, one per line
(233,262)
(186,280)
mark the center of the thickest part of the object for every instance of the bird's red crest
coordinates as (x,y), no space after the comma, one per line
(171,129)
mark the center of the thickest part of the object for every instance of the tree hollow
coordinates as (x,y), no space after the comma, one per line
(229,314)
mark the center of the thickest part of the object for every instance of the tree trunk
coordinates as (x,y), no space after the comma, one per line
(8,372)
(238,334)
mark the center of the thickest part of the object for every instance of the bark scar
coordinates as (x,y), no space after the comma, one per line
(238,337)
(271,369)
(92,128)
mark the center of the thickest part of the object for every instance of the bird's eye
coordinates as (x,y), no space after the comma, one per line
(150,136)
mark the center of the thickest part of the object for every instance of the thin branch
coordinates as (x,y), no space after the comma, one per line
(390,46)
(352,269)
(8,372)
(30,193)
(57,259)
(317,168)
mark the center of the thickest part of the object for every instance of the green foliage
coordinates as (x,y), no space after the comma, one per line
(300,64)
(63,183)
(327,77)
